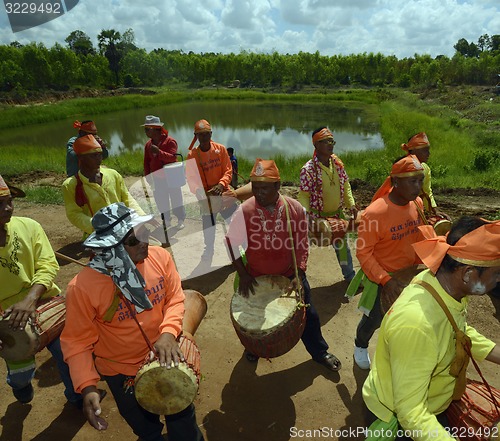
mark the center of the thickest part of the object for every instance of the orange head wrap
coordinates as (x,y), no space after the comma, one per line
(480,247)
(264,170)
(88,127)
(404,168)
(86,144)
(9,190)
(322,134)
(200,126)
(418,141)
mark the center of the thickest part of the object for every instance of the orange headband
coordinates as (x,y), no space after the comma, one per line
(480,247)
(199,127)
(404,168)
(88,127)
(418,141)
(322,134)
(264,170)
(86,144)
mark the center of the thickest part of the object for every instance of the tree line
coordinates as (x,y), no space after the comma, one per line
(118,62)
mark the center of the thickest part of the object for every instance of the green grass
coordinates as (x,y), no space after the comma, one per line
(464,151)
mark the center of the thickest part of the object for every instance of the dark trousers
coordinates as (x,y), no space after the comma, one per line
(312,337)
(369,324)
(147,426)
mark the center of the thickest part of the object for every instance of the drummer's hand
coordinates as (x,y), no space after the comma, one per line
(20,312)
(295,285)
(440,213)
(247,283)
(216,190)
(392,289)
(168,350)
(154,149)
(92,408)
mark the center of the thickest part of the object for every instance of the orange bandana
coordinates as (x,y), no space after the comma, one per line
(480,247)
(322,134)
(199,127)
(404,168)
(86,144)
(418,141)
(88,127)
(265,170)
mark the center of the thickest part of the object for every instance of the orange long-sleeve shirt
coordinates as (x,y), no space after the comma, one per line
(214,167)
(118,345)
(385,235)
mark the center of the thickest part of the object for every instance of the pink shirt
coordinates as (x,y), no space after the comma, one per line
(118,345)
(265,237)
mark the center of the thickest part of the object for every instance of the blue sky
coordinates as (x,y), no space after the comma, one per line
(391,27)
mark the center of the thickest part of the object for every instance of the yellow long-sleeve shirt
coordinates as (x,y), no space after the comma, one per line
(410,375)
(112,190)
(26,259)
(427,189)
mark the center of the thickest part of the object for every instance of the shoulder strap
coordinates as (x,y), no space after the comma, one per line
(421,214)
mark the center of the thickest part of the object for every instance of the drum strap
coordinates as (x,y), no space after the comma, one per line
(133,314)
(289,227)
(421,213)
(458,367)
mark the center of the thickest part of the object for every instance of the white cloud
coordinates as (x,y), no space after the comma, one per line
(391,27)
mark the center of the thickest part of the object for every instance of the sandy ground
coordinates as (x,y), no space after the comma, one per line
(237,400)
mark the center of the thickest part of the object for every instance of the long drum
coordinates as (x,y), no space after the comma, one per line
(165,391)
(270,322)
(405,276)
(475,416)
(46,325)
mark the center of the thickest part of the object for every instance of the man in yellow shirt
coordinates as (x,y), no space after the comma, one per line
(325,191)
(27,272)
(411,381)
(93,187)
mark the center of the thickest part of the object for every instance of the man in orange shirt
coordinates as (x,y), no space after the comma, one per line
(126,278)
(211,177)
(388,228)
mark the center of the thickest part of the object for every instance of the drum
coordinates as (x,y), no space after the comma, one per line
(474,416)
(195,308)
(440,223)
(269,323)
(405,276)
(165,391)
(46,325)
(323,232)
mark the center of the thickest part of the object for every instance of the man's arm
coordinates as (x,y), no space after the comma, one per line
(75,214)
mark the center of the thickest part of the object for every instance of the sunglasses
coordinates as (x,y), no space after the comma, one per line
(132,241)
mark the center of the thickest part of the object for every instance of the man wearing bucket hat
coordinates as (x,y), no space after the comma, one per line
(125,279)
(93,187)
(325,190)
(27,272)
(210,177)
(421,359)
(84,128)
(388,228)
(161,150)
(262,226)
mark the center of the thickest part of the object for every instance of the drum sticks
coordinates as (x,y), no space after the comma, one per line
(69,259)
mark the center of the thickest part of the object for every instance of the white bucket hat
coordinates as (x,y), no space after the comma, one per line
(152,120)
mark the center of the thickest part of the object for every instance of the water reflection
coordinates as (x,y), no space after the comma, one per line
(252,129)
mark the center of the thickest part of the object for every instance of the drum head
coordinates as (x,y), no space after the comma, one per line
(268,308)
(442,227)
(17,345)
(165,391)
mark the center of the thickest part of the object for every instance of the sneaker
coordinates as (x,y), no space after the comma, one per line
(362,358)
(25,394)
(180,226)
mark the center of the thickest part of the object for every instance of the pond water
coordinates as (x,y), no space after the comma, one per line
(254,129)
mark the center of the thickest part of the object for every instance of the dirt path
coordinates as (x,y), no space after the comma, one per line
(237,400)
